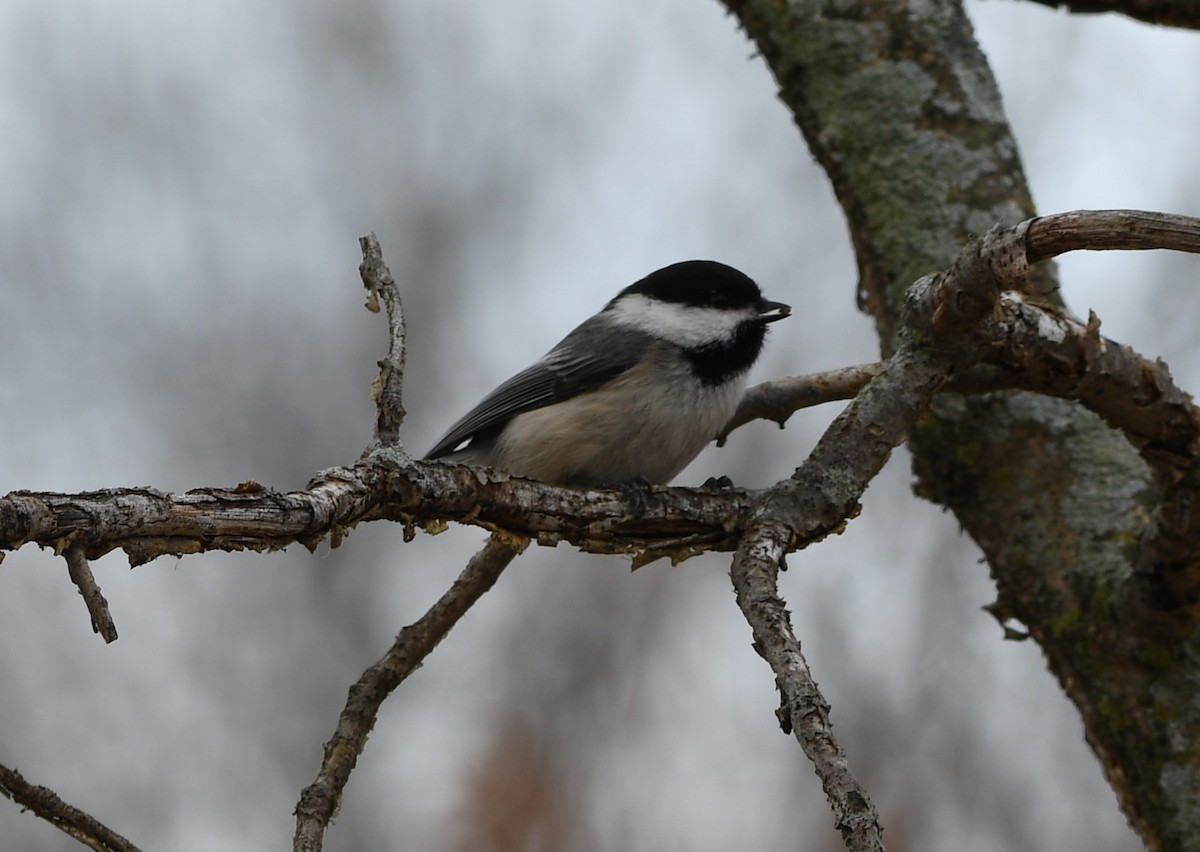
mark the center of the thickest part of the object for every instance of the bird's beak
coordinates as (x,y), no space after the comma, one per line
(772,311)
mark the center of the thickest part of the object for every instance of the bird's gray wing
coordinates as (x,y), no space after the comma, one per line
(592,354)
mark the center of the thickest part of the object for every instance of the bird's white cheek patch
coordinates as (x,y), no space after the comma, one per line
(682,325)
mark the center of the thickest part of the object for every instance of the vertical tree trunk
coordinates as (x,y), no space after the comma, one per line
(898,104)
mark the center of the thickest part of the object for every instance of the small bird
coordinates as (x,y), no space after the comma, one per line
(635,392)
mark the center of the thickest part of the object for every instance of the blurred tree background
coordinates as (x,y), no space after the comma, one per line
(183,190)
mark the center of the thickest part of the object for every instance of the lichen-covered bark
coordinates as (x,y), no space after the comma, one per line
(1059,523)
(898,104)
(899,107)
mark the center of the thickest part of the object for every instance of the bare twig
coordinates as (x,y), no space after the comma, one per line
(779,399)
(320,800)
(389,387)
(803,711)
(46,804)
(97,606)
(1110,230)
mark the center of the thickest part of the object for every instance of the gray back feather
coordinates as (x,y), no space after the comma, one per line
(594,353)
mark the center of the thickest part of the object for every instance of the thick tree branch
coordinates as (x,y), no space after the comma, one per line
(976,307)
(1059,356)
(145,523)
(46,804)
(1002,341)
(320,800)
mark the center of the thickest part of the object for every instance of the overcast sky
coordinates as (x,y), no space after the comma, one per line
(183,188)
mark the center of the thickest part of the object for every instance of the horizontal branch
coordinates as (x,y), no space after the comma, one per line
(951,307)
(145,523)
(671,522)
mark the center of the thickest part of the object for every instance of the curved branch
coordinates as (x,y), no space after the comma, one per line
(1059,356)
(1110,230)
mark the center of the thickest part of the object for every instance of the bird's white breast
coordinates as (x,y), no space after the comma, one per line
(649,423)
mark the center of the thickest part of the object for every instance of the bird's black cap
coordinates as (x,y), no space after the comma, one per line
(700,284)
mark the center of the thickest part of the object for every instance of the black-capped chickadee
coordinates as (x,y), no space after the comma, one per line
(635,392)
